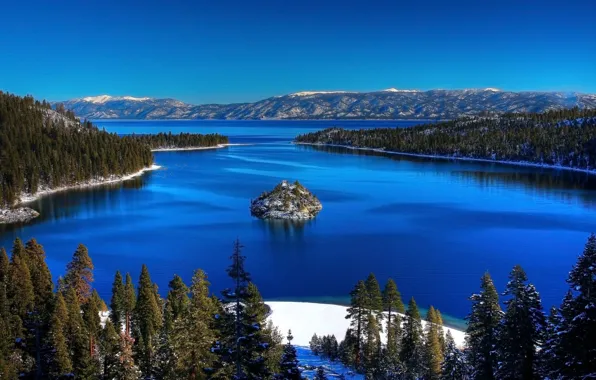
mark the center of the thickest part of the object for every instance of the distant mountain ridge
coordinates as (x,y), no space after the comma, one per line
(386,104)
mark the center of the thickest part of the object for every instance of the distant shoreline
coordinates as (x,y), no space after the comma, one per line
(218,146)
(471,159)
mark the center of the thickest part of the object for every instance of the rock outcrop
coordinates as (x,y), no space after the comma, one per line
(17,215)
(286,201)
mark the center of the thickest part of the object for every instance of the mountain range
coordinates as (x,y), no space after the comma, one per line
(386,104)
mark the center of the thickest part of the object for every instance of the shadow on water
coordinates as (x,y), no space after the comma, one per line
(77,202)
(286,229)
(565,185)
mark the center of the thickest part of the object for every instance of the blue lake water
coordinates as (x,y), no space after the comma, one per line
(435,226)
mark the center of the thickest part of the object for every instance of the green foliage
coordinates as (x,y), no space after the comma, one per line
(79,274)
(412,350)
(60,362)
(39,150)
(130,302)
(483,324)
(433,351)
(182,140)
(562,137)
(117,302)
(20,288)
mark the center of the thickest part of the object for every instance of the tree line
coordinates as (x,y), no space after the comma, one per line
(182,140)
(65,331)
(562,137)
(43,149)
(519,342)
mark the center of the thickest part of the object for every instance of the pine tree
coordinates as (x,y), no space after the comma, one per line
(147,322)
(239,344)
(412,350)
(20,288)
(78,337)
(548,356)
(393,304)
(60,361)
(289,362)
(483,324)
(193,333)
(79,274)
(441,332)
(357,313)
(521,330)
(454,365)
(117,302)
(374,306)
(176,307)
(92,324)
(126,368)
(577,340)
(41,278)
(348,349)
(129,304)
(433,353)
(109,349)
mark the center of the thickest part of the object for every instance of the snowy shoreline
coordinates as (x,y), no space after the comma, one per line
(308,318)
(22,214)
(218,146)
(471,159)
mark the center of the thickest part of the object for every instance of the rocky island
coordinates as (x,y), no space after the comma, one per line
(17,215)
(286,201)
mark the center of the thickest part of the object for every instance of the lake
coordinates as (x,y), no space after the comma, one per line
(435,226)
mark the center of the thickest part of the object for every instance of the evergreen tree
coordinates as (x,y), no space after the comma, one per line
(61,363)
(92,324)
(20,287)
(315,345)
(41,278)
(550,363)
(412,350)
(78,337)
(441,332)
(348,349)
(126,368)
(129,304)
(117,302)
(393,304)
(577,333)
(433,353)
(289,362)
(109,348)
(239,345)
(372,346)
(193,333)
(176,307)
(454,365)
(357,313)
(79,274)
(521,330)
(147,322)
(483,324)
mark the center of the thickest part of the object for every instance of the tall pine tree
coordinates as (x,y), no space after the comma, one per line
(521,330)
(412,349)
(454,365)
(79,274)
(117,302)
(393,306)
(483,325)
(433,352)
(357,313)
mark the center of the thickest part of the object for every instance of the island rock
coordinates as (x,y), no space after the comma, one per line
(286,201)
(17,215)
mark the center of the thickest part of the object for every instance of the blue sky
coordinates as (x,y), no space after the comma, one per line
(233,51)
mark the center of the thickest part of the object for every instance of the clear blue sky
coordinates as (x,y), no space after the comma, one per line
(230,51)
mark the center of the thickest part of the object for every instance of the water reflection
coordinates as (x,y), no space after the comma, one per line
(564,185)
(286,229)
(79,202)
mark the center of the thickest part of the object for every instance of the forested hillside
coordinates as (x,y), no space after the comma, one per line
(67,332)
(182,140)
(560,138)
(42,148)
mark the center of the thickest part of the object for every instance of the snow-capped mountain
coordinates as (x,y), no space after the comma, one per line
(391,103)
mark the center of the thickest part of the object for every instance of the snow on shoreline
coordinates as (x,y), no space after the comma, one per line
(218,146)
(28,198)
(306,319)
(471,159)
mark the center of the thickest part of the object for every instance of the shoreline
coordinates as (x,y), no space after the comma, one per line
(19,213)
(470,159)
(218,146)
(308,318)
